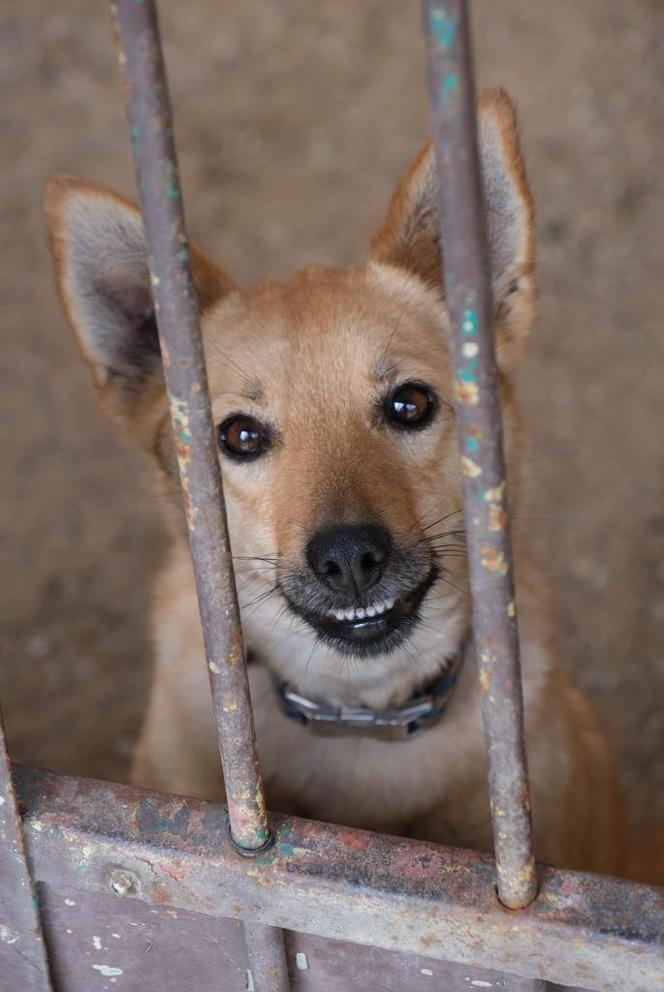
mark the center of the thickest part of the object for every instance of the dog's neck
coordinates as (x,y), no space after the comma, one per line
(296,656)
(422,711)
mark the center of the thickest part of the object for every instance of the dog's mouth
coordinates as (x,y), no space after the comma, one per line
(375,628)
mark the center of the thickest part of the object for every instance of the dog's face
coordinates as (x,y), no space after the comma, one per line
(332,392)
(333,395)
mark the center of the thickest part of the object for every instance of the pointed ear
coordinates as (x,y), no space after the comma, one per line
(409,236)
(102,272)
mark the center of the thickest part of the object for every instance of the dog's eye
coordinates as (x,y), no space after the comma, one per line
(243,437)
(411,406)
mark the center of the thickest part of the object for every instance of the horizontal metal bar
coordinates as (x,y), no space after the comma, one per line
(581,930)
(479,422)
(176,308)
(23,960)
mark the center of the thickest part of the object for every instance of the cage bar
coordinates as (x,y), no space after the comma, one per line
(177,311)
(267,957)
(176,307)
(479,421)
(583,930)
(23,960)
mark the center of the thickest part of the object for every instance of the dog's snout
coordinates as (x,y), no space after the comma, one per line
(349,559)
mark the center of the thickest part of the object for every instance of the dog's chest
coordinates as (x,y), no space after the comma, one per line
(356,780)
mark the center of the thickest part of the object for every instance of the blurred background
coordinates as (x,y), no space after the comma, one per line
(294,121)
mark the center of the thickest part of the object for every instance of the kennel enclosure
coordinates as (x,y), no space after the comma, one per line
(180,893)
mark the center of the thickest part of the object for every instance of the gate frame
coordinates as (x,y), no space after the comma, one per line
(461,906)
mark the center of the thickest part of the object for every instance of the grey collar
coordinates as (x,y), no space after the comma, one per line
(398,723)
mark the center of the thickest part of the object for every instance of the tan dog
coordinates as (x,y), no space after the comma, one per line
(332,391)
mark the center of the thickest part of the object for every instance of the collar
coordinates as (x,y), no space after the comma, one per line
(397,723)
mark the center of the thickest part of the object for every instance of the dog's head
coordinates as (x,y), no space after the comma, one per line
(332,392)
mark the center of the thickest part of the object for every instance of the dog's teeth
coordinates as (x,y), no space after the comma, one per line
(360,613)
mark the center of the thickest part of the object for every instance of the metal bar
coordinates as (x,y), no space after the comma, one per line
(23,959)
(583,930)
(267,957)
(176,307)
(150,118)
(468,298)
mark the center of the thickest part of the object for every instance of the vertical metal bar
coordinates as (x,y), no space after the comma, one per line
(267,957)
(176,307)
(150,119)
(512,983)
(468,296)
(23,960)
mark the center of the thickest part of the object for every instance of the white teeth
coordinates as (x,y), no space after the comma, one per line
(359,614)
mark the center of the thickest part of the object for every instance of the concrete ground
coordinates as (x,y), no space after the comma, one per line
(294,120)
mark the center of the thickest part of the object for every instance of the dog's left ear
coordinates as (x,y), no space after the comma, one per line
(409,236)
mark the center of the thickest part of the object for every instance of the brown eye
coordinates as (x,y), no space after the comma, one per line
(411,406)
(242,437)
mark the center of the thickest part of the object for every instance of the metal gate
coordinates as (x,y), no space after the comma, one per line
(109,887)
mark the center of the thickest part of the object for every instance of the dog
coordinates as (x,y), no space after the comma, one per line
(332,391)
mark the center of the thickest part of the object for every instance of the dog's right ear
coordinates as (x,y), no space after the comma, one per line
(409,237)
(103,277)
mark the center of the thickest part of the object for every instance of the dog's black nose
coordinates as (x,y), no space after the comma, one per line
(349,559)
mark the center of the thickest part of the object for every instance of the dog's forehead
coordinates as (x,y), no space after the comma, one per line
(324,327)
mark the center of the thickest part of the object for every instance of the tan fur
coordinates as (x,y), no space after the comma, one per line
(312,355)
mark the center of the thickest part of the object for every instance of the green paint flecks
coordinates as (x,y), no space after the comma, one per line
(449,84)
(466,375)
(135,136)
(172,181)
(469,322)
(443,28)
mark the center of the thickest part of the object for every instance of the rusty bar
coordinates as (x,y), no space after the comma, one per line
(479,419)
(150,119)
(23,959)
(267,957)
(583,930)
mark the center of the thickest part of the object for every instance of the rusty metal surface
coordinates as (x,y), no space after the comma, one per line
(96,938)
(581,930)
(176,306)
(23,959)
(479,419)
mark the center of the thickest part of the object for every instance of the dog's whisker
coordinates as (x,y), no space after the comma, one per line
(442,519)
(259,599)
(464,592)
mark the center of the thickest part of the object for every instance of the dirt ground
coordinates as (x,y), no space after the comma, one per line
(294,120)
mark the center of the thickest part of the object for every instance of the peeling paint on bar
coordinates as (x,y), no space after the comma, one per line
(195,443)
(468,298)
(176,306)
